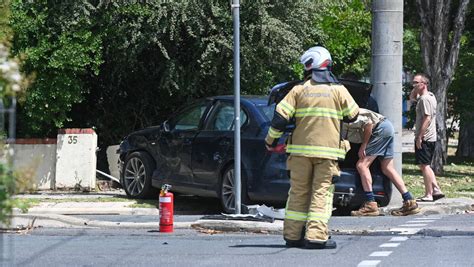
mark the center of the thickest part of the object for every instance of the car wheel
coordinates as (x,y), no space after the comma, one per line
(136,176)
(226,190)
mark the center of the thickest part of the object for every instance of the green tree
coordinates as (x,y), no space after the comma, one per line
(134,63)
(346,33)
(119,67)
(60,49)
(461,92)
(412,61)
(442,26)
(10,81)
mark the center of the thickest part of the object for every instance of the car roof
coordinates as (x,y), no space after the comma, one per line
(257,100)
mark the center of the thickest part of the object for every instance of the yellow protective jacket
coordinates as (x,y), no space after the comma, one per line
(318,110)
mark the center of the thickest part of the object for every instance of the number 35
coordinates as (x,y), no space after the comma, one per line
(72,139)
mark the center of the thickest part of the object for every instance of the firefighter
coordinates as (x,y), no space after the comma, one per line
(318,104)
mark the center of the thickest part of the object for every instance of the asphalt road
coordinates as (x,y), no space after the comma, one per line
(436,240)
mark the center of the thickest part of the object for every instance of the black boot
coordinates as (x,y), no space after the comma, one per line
(294,243)
(329,244)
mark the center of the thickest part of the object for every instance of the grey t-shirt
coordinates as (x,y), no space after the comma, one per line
(426,106)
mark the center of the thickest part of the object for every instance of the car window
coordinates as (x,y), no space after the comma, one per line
(243,118)
(267,111)
(224,118)
(190,119)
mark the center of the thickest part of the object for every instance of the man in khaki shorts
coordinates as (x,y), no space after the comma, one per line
(375,133)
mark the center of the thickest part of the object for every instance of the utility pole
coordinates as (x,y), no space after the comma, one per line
(387,68)
(237,182)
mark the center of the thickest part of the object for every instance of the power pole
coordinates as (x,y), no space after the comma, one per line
(237,182)
(387,68)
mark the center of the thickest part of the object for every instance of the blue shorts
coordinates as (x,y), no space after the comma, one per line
(381,141)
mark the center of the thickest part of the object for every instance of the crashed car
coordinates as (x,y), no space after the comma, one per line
(194,152)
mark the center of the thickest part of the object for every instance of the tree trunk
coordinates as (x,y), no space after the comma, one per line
(439,88)
(441,31)
(466,136)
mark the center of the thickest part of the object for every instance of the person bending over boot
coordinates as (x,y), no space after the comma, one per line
(376,133)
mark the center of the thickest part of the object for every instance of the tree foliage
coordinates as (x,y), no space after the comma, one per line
(119,67)
(442,26)
(461,92)
(10,82)
(412,60)
(134,63)
(346,32)
(59,48)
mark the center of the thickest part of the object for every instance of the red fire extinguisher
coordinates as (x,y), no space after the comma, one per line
(166,209)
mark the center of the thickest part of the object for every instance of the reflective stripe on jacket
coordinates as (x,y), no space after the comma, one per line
(318,109)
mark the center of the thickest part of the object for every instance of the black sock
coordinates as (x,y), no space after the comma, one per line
(407,196)
(370,196)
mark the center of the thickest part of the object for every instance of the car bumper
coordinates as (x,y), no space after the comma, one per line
(349,191)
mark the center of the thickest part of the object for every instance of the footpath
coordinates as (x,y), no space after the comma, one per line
(63,211)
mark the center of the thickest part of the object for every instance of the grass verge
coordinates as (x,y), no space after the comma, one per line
(456,181)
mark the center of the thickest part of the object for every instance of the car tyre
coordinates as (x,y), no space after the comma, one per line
(226,193)
(136,176)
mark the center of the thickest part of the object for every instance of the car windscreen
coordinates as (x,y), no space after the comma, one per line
(267,111)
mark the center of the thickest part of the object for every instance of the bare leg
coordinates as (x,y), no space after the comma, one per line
(370,208)
(389,170)
(436,188)
(429,178)
(364,172)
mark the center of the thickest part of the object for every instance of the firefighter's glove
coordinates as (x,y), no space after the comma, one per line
(281,148)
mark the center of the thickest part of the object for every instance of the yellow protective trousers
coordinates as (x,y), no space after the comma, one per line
(310,198)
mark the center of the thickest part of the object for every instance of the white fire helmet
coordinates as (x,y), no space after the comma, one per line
(317,58)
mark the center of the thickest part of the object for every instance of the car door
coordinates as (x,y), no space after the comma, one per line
(213,146)
(176,142)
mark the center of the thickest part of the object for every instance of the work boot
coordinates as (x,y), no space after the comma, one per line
(370,208)
(294,243)
(329,244)
(409,207)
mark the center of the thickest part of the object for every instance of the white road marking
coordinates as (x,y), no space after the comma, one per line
(427,218)
(398,238)
(368,263)
(389,245)
(380,254)
(413,225)
(417,222)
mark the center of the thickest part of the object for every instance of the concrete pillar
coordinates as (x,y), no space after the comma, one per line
(386,72)
(76,159)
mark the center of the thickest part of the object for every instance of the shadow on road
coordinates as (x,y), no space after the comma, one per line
(190,205)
